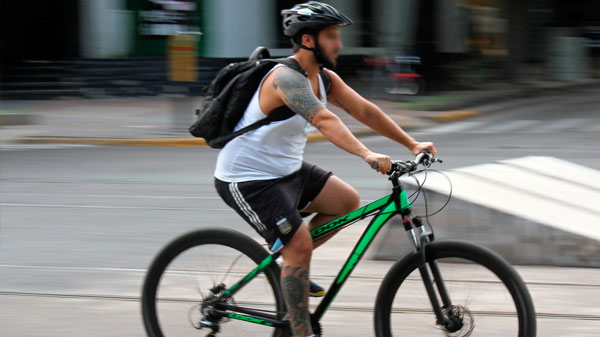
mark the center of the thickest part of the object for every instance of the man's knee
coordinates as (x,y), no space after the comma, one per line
(347,197)
(352,200)
(298,250)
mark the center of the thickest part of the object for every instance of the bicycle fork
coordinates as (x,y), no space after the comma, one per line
(420,237)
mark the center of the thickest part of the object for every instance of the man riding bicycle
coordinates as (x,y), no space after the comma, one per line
(261,174)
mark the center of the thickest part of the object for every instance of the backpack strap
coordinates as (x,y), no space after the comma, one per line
(326,80)
(279,114)
(290,62)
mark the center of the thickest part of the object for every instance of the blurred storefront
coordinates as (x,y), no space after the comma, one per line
(470,41)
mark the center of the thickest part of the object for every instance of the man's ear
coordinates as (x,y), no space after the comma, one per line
(308,40)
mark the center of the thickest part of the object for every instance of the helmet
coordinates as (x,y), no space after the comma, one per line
(313,15)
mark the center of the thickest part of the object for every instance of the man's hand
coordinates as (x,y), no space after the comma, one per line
(384,163)
(423,146)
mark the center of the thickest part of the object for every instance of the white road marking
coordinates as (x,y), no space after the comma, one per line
(13,147)
(559,125)
(454,127)
(112,196)
(520,126)
(128,196)
(591,127)
(504,126)
(113,207)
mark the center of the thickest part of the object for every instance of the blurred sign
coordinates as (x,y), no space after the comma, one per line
(182,58)
(161,18)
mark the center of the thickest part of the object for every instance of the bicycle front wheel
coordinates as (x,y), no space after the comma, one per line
(487,295)
(195,269)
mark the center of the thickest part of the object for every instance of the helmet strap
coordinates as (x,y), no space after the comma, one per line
(318,52)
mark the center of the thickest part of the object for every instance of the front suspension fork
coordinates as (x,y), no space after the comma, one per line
(421,240)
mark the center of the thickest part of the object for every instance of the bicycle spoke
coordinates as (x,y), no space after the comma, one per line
(476,293)
(190,280)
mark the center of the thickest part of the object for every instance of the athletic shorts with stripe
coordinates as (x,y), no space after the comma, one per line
(273,207)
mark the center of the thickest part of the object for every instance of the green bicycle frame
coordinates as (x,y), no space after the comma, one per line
(386,208)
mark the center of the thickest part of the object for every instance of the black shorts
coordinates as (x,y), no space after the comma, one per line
(272,207)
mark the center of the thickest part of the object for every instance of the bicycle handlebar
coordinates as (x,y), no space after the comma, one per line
(400,166)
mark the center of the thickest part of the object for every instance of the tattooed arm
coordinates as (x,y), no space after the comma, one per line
(295,91)
(344,97)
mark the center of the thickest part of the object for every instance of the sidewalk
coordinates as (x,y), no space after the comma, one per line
(153,121)
(163,121)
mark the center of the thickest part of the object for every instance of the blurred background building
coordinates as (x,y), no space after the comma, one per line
(51,48)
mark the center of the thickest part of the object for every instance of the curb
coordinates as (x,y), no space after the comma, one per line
(521,91)
(169,142)
(452,116)
(182,142)
(444,117)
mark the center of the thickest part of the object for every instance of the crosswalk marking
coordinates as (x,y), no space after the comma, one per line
(12,147)
(454,127)
(517,126)
(559,124)
(508,126)
(591,127)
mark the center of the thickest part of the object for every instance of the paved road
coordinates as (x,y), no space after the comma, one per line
(78,224)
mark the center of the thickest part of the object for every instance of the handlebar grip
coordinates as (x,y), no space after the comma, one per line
(375,165)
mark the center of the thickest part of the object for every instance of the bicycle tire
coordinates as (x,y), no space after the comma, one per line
(212,236)
(455,249)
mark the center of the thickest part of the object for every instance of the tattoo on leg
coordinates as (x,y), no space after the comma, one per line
(294,284)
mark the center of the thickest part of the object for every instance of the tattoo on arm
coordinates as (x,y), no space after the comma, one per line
(338,103)
(294,284)
(297,93)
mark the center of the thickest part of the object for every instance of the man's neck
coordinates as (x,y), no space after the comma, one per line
(307,61)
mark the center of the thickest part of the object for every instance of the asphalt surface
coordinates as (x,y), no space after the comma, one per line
(79,224)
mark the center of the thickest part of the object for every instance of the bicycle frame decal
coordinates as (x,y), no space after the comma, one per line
(250,319)
(369,208)
(404,203)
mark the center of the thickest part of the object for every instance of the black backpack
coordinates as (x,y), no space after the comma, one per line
(229,94)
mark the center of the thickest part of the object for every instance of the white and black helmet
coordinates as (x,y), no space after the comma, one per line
(313,15)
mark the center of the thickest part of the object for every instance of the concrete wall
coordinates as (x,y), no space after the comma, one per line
(106,28)
(568,57)
(396,20)
(451,30)
(235,27)
(520,241)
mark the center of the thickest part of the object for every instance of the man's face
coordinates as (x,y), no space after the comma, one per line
(330,42)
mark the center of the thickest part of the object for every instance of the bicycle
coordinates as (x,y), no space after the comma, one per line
(236,298)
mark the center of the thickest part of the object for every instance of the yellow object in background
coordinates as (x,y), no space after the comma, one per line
(182,52)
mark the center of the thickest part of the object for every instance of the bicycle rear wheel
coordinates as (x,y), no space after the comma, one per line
(183,277)
(487,295)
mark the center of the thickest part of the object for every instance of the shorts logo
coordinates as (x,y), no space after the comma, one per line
(284,225)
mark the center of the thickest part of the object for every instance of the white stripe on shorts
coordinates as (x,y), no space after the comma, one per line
(245,207)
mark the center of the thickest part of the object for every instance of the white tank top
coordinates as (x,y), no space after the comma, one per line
(271,151)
